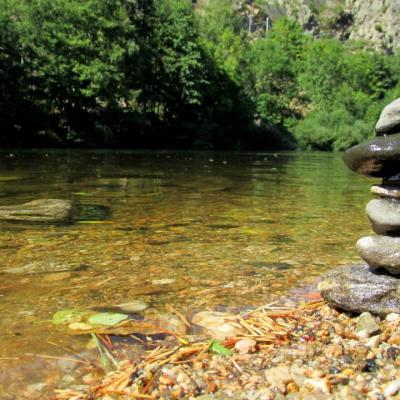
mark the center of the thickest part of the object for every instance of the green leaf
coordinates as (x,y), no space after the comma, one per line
(217,348)
(103,357)
(64,317)
(107,319)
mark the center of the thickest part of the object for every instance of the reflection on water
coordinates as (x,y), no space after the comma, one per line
(221,228)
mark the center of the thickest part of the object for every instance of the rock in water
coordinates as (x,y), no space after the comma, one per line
(43,210)
(389,121)
(218,325)
(381,252)
(133,306)
(377,158)
(386,191)
(44,267)
(357,288)
(171,323)
(384,215)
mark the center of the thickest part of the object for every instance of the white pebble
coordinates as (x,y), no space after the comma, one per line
(393,317)
(245,346)
(392,389)
(318,384)
(363,334)
(373,341)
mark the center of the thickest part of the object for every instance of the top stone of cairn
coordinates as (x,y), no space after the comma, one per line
(389,121)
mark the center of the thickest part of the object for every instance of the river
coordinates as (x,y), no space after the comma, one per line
(195,230)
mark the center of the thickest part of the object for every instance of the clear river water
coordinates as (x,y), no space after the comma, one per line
(195,230)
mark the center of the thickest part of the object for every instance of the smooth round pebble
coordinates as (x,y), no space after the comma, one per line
(389,120)
(392,389)
(133,306)
(380,252)
(393,317)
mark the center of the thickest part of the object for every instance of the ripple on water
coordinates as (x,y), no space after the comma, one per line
(242,230)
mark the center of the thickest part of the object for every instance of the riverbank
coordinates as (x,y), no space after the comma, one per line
(308,352)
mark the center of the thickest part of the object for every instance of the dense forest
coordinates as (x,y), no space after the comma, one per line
(173,74)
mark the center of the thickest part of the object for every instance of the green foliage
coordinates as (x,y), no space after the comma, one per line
(217,348)
(334,130)
(345,88)
(174,77)
(76,52)
(273,63)
(13,72)
(222,39)
(163,73)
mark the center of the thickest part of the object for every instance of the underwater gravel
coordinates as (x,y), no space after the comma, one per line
(327,357)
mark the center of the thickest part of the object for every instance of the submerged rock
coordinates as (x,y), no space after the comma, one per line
(43,210)
(384,215)
(171,323)
(389,120)
(357,288)
(166,281)
(133,306)
(381,252)
(216,324)
(42,267)
(246,346)
(377,158)
(386,191)
(57,276)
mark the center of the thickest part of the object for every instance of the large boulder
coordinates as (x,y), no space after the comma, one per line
(377,158)
(381,252)
(43,210)
(358,288)
(389,121)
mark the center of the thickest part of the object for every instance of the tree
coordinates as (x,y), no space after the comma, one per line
(273,63)
(222,38)
(13,72)
(76,53)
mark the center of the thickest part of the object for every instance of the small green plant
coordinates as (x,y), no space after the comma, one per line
(105,356)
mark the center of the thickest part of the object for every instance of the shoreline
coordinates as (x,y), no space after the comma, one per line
(308,352)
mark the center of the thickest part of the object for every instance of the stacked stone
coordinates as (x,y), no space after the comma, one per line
(374,286)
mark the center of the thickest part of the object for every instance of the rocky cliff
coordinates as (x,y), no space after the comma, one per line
(377,22)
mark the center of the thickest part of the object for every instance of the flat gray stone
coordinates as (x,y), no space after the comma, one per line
(380,252)
(358,288)
(384,215)
(43,210)
(389,120)
(377,158)
(386,191)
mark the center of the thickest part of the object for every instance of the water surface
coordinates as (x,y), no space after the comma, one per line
(224,229)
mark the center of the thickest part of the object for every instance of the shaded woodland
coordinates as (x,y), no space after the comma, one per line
(170,74)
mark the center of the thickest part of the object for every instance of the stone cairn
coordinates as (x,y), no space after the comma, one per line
(375,286)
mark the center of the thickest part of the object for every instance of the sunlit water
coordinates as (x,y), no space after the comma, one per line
(225,229)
